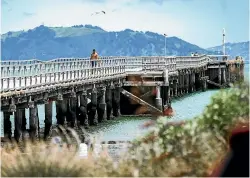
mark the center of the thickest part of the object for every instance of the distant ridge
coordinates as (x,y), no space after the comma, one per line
(46,43)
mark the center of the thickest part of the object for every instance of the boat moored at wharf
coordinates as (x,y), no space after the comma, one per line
(87,95)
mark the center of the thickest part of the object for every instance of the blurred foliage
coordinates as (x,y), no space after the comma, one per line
(191,148)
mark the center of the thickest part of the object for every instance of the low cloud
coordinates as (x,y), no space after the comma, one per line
(93,1)
(28,14)
(160,2)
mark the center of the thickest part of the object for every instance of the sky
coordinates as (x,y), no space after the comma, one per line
(197,21)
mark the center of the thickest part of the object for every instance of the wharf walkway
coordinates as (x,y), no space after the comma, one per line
(33,74)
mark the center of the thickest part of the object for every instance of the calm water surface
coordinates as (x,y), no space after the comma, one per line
(128,128)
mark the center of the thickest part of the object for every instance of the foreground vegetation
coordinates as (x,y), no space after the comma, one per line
(193,148)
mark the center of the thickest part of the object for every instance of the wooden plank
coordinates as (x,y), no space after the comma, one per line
(135,83)
(204,78)
(151,73)
(213,83)
(139,100)
(216,66)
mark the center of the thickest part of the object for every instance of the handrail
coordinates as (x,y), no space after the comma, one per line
(17,75)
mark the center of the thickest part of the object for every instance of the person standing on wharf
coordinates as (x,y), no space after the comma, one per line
(94,58)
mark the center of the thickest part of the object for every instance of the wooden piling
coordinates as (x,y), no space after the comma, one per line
(108,101)
(33,121)
(83,117)
(92,106)
(101,107)
(7,125)
(48,119)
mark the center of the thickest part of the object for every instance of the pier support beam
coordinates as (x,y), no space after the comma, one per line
(179,85)
(48,119)
(190,82)
(109,101)
(224,80)
(171,92)
(38,124)
(83,117)
(182,84)
(204,82)
(165,90)
(101,109)
(18,124)
(92,106)
(193,82)
(116,101)
(205,85)
(61,111)
(175,88)
(228,74)
(33,122)
(165,96)
(72,105)
(219,75)
(187,82)
(24,121)
(7,125)
(158,97)
(169,95)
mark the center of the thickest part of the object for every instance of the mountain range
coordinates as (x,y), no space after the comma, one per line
(46,43)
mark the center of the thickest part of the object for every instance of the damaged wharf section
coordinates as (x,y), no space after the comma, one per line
(86,96)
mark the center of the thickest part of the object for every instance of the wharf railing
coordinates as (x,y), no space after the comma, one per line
(30,74)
